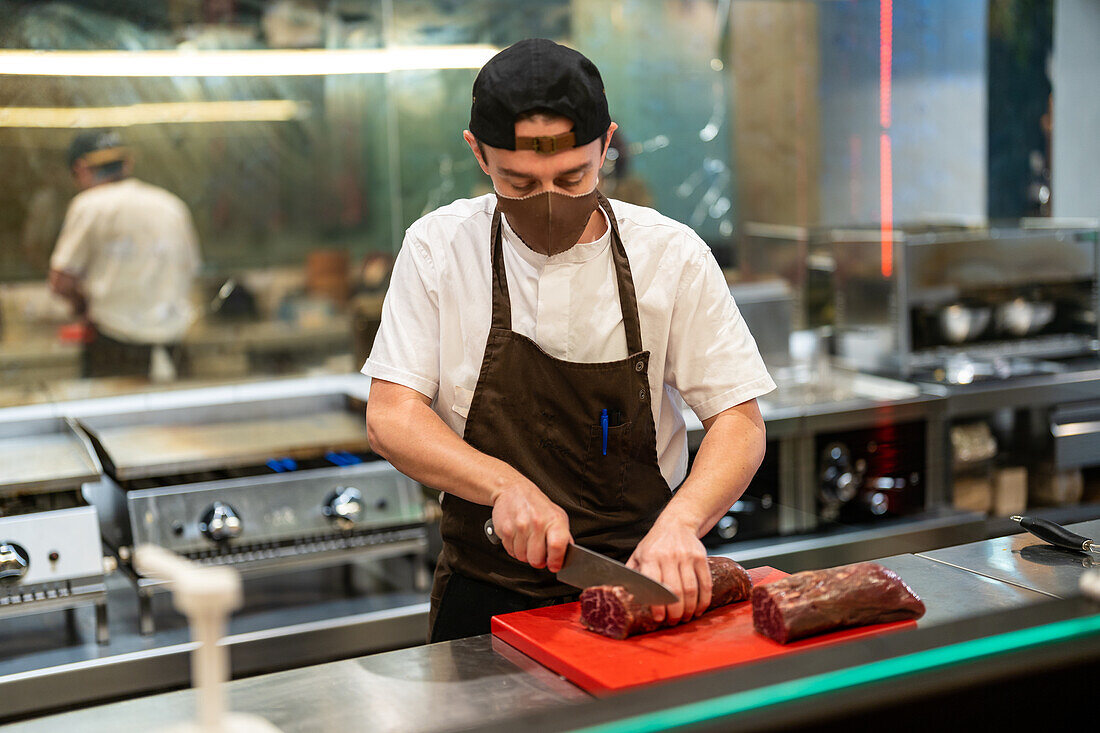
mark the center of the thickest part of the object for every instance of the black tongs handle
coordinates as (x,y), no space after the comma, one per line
(1056,534)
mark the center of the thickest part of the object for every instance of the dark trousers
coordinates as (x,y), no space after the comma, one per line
(107,357)
(468,605)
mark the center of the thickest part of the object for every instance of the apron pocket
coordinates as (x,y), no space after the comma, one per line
(602,490)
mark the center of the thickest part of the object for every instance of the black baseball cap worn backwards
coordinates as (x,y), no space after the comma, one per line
(96,147)
(537,73)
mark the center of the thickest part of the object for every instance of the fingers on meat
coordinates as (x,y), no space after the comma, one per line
(612,611)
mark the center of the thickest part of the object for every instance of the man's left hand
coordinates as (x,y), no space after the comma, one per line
(672,554)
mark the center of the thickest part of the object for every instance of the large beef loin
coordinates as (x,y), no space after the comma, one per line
(612,611)
(817,601)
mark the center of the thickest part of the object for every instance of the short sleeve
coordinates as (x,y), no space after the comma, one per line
(406,348)
(74,244)
(712,358)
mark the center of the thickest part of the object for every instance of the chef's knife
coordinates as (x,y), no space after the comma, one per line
(1057,535)
(584,568)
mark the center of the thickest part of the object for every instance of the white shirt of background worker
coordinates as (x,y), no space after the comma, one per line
(127,255)
(427,355)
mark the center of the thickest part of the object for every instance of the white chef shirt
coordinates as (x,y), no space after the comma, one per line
(133,245)
(438,310)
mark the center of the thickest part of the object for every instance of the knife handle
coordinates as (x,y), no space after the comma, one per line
(491,531)
(1055,534)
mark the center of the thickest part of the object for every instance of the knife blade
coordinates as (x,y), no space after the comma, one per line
(584,568)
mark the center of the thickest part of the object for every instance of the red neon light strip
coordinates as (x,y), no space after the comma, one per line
(886,202)
(885,59)
(886,166)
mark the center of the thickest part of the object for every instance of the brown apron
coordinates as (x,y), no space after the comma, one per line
(541,415)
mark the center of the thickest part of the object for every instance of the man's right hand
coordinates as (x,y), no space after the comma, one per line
(403,429)
(532,528)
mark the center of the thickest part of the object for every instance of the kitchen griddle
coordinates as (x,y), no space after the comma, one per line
(194,439)
(44,456)
(554,637)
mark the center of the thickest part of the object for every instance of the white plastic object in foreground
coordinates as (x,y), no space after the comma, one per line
(1090,584)
(206,595)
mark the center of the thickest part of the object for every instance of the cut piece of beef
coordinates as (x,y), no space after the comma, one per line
(612,611)
(816,601)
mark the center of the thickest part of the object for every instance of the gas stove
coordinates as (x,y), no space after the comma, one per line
(264,486)
(51,555)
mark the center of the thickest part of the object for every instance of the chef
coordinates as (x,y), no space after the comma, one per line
(536,347)
(126,259)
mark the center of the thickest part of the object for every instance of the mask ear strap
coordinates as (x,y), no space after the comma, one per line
(628,298)
(502,304)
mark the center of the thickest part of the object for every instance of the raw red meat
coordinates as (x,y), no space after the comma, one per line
(611,610)
(816,601)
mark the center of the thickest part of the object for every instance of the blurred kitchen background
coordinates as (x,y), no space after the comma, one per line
(733,114)
(903,195)
(301,186)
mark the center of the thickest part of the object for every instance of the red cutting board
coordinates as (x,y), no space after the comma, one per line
(555,638)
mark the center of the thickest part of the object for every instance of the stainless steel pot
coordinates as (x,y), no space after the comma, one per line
(1023,317)
(960,323)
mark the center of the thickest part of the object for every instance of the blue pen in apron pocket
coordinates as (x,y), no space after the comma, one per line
(603,424)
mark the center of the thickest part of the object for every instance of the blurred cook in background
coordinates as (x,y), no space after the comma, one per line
(126,259)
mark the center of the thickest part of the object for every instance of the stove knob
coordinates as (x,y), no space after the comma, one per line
(345,505)
(878,503)
(221,523)
(14,562)
(839,482)
(844,488)
(727,527)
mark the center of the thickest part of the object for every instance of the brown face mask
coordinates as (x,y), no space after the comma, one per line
(549,222)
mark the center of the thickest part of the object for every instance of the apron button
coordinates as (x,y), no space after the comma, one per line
(641,394)
(639,366)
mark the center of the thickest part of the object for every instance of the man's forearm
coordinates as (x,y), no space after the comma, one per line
(412,437)
(728,458)
(68,287)
(403,428)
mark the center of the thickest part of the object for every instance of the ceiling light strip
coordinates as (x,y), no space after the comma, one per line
(260,62)
(261,110)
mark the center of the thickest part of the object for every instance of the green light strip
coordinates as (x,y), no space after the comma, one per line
(740,702)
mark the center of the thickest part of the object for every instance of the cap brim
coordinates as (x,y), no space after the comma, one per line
(105,156)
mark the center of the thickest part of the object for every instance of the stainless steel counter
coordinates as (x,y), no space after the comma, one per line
(1080,383)
(951,593)
(438,687)
(840,546)
(459,685)
(214,350)
(51,662)
(1024,561)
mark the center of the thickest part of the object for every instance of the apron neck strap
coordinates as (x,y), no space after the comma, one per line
(502,305)
(628,299)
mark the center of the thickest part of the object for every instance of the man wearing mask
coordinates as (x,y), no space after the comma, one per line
(126,259)
(557,332)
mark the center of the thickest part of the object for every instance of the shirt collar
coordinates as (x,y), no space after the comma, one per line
(579,252)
